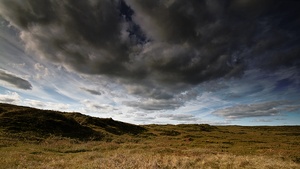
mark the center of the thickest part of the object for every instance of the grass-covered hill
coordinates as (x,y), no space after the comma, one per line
(31,123)
(33,138)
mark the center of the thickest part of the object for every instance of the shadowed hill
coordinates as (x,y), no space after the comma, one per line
(107,124)
(44,123)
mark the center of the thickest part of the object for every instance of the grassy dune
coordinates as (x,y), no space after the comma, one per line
(32,138)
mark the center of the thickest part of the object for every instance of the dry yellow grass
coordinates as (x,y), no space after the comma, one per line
(31,138)
(65,153)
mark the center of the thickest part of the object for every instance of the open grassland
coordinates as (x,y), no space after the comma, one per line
(105,143)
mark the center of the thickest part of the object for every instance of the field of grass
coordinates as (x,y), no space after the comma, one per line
(32,138)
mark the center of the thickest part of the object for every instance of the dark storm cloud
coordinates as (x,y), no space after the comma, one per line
(154,104)
(222,37)
(263,120)
(179,117)
(271,108)
(82,35)
(165,47)
(94,92)
(15,80)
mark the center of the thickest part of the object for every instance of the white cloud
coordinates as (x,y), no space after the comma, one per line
(92,106)
(42,71)
(10,97)
(47,105)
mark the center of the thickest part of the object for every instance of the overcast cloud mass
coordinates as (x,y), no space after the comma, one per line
(154,61)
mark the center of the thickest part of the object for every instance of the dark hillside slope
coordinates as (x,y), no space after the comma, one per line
(44,123)
(107,124)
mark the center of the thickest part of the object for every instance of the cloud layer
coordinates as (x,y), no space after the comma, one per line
(272,108)
(159,43)
(164,53)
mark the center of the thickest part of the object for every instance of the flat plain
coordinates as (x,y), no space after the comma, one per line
(33,138)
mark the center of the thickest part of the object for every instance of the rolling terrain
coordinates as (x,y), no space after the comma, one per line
(33,138)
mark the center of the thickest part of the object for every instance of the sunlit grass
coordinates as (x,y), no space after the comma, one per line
(68,154)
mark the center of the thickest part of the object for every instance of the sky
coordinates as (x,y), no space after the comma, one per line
(220,62)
